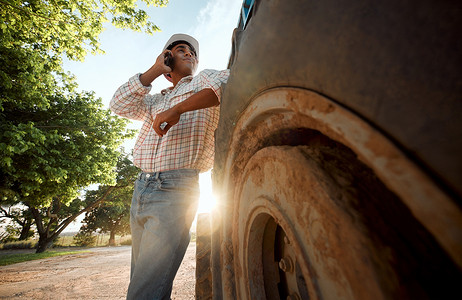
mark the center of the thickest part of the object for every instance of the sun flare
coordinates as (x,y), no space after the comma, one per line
(207,200)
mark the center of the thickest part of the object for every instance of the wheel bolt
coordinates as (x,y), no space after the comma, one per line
(286,265)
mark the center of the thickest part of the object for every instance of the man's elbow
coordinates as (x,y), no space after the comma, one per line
(214,100)
(114,107)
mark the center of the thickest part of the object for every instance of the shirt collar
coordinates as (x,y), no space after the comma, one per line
(185,79)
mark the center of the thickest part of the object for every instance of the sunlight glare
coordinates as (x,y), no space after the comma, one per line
(207,200)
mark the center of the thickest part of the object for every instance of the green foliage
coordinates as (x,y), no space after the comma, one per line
(51,137)
(10,234)
(9,259)
(56,151)
(34,36)
(19,245)
(126,242)
(19,227)
(52,220)
(84,240)
(55,141)
(28,77)
(113,215)
(68,26)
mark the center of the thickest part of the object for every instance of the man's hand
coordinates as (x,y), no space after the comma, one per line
(156,70)
(200,100)
(170,117)
(160,62)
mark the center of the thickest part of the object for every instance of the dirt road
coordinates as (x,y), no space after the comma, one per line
(101,273)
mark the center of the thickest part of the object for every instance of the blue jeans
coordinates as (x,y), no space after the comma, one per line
(163,207)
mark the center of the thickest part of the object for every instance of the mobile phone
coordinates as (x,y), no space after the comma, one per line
(169,60)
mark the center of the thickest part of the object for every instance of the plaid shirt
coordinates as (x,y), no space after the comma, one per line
(187,145)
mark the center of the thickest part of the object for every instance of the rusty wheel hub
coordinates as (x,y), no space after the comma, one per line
(282,274)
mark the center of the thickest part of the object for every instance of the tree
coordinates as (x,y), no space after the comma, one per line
(22,221)
(56,151)
(68,26)
(59,151)
(113,215)
(52,220)
(34,34)
(55,141)
(51,154)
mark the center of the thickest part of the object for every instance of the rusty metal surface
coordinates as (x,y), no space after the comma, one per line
(381,80)
(274,118)
(203,289)
(294,108)
(317,227)
(394,63)
(351,238)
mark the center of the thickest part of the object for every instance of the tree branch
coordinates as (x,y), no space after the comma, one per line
(38,220)
(70,219)
(8,214)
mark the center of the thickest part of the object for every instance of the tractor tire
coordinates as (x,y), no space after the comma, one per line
(313,219)
(337,159)
(203,250)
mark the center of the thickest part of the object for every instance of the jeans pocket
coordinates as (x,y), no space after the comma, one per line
(183,184)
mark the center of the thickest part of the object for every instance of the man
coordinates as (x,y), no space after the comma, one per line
(175,143)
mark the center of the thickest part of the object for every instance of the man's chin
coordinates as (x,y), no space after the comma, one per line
(185,70)
(190,71)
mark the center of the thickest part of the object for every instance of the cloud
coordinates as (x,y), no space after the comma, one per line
(214,28)
(216,16)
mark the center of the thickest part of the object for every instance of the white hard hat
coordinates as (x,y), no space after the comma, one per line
(183,37)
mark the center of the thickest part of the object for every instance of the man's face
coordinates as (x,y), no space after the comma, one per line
(184,60)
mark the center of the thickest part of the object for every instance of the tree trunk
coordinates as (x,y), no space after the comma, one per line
(45,236)
(112,238)
(43,244)
(45,239)
(25,231)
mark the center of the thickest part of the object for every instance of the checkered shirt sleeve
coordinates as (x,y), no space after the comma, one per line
(187,145)
(129,100)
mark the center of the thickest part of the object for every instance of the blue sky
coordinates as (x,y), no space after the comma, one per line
(128,52)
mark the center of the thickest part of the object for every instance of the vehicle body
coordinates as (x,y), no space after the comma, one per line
(338,166)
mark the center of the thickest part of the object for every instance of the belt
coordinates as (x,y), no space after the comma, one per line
(168,174)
